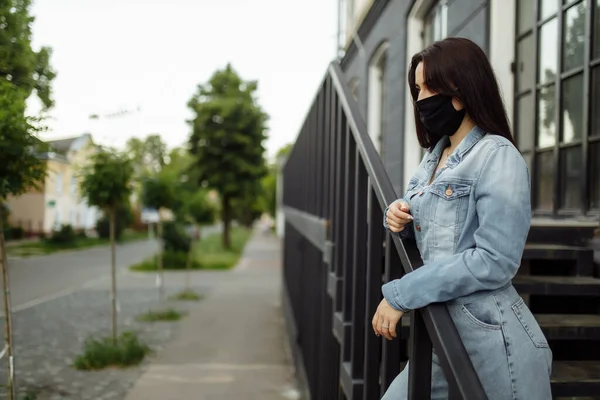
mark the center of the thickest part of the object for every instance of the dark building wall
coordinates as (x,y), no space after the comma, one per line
(389,27)
(467,18)
(470,19)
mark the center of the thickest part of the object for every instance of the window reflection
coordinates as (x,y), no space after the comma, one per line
(525,15)
(548,51)
(595,102)
(526,122)
(574,37)
(545,182)
(571,172)
(572,109)
(526,67)
(546,117)
(547,8)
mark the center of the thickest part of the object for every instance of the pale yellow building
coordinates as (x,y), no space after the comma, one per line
(58,201)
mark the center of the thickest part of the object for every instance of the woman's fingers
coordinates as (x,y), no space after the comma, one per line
(400,215)
(374,323)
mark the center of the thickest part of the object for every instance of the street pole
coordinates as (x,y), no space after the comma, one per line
(7,313)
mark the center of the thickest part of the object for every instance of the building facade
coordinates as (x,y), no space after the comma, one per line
(58,201)
(546,55)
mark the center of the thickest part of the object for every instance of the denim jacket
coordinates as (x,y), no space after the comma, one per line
(470,224)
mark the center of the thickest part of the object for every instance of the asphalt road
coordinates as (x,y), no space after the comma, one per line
(38,279)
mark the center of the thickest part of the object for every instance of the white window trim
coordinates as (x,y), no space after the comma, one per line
(502,48)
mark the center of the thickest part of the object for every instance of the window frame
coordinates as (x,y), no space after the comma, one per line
(585,141)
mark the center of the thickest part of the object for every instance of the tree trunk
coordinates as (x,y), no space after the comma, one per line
(10,386)
(113,272)
(226,223)
(159,260)
(188,267)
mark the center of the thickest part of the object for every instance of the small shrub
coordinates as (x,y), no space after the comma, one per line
(65,235)
(102,353)
(175,238)
(187,295)
(17,233)
(171,261)
(163,315)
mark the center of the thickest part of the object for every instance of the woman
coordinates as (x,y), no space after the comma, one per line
(468,208)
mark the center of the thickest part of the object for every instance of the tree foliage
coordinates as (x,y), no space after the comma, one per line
(198,208)
(148,155)
(25,68)
(159,192)
(22,70)
(228,130)
(21,167)
(106,182)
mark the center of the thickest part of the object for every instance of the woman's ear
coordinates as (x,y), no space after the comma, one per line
(457,104)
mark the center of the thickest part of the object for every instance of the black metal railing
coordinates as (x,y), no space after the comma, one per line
(336,257)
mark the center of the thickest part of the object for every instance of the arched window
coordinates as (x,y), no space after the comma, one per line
(377,98)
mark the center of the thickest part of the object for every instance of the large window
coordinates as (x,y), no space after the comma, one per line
(557,85)
(436,23)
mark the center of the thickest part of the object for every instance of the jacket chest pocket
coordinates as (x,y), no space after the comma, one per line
(449,203)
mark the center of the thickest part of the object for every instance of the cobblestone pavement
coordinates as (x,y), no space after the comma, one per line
(49,336)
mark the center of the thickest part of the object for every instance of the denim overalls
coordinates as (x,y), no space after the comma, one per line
(471,225)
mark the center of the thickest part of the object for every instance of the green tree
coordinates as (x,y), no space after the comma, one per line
(228,130)
(106,184)
(148,154)
(269,182)
(22,70)
(159,192)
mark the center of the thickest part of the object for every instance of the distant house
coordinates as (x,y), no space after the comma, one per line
(58,202)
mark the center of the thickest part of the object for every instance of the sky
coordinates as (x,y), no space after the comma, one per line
(146,57)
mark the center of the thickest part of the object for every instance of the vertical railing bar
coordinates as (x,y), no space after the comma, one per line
(419,374)
(349,193)
(340,188)
(359,267)
(311,158)
(391,349)
(319,150)
(372,349)
(316,157)
(327,156)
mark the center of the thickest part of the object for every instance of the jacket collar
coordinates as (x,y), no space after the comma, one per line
(472,138)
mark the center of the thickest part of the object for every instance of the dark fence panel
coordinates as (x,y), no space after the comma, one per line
(336,257)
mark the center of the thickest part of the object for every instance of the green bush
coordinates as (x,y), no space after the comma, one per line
(102,353)
(123,219)
(171,260)
(175,238)
(65,235)
(163,315)
(17,233)
(187,295)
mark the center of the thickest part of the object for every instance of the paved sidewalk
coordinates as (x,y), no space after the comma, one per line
(232,345)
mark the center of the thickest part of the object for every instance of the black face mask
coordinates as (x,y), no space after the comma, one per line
(439,116)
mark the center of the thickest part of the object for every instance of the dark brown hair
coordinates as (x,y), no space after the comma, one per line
(457,67)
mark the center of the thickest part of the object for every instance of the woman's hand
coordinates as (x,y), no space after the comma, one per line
(385,320)
(397,216)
